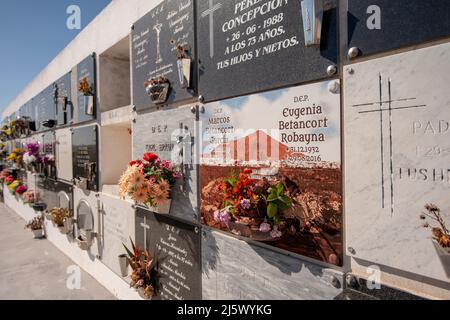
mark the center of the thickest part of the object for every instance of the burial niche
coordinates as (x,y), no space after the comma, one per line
(84,225)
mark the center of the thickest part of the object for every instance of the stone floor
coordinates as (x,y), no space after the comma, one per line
(34,269)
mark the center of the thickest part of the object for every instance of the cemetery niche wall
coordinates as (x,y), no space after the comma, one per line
(84,82)
(45,109)
(384,25)
(163,55)
(276,177)
(246,47)
(177,247)
(172,138)
(85,157)
(397,157)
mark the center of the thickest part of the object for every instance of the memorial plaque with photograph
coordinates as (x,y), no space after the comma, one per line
(250,46)
(376,26)
(64,107)
(85,157)
(177,247)
(172,138)
(397,153)
(45,109)
(86,106)
(271,169)
(155,39)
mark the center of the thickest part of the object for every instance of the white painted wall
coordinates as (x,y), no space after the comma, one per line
(108,28)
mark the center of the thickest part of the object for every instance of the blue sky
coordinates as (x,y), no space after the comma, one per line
(32,33)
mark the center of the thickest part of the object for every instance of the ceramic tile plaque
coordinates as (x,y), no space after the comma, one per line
(235,270)
(284,145)
(178,246)
(251,46)
(154,50)
(85,106)
(397,160)
(85,157)
(381,25)
(171,135)
(64,107)
(118,225)
(64,154)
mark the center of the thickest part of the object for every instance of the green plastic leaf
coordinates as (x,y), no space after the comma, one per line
(272,197)
(286,200)
(272,210)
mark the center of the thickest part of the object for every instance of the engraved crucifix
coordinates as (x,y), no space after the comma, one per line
(146,228)
(158,27)
(381,109)
(210,12)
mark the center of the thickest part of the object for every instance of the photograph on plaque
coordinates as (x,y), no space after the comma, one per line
(397,153)
(85,157)
(271,169)
(163,55)
(376,26)
(63,100)
(172,139)
(86,86)
(177,247)
(250,46)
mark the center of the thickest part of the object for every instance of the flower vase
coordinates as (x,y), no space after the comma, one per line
(444,256)
(123,263)
(162,208)
(184,72)
(88,101)
(38,234)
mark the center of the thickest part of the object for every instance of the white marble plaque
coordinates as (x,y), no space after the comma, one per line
(117,227)
(235,270)
(64,154)
(397,151)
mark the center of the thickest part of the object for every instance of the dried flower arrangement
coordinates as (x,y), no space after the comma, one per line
(145,277)
(149,181)
(35,224)
(85,88)
(441,234)
(59,215)
(252,206)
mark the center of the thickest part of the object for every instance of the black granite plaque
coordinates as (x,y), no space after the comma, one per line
(154,50)
(250,46)
(64,106)
(178,248)
(85,156)
(86,69)
(376,26)
(45,109)
(53,193)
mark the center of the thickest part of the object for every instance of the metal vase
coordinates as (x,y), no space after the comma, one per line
(123,263)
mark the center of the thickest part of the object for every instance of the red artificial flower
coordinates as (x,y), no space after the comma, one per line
(9,180)
(248,171)
(150,157)
(21,189)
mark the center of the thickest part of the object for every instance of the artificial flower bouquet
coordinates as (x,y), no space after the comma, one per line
(5,174)
(145,277)
(149,181)
(253,208)
(17,187)
(31,157)
(30,197)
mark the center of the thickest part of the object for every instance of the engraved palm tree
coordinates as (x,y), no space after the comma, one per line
(157,27)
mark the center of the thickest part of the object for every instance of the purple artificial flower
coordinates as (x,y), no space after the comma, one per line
(246,204)
(275,234)
(32,148)
(222,216)
(265,227)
